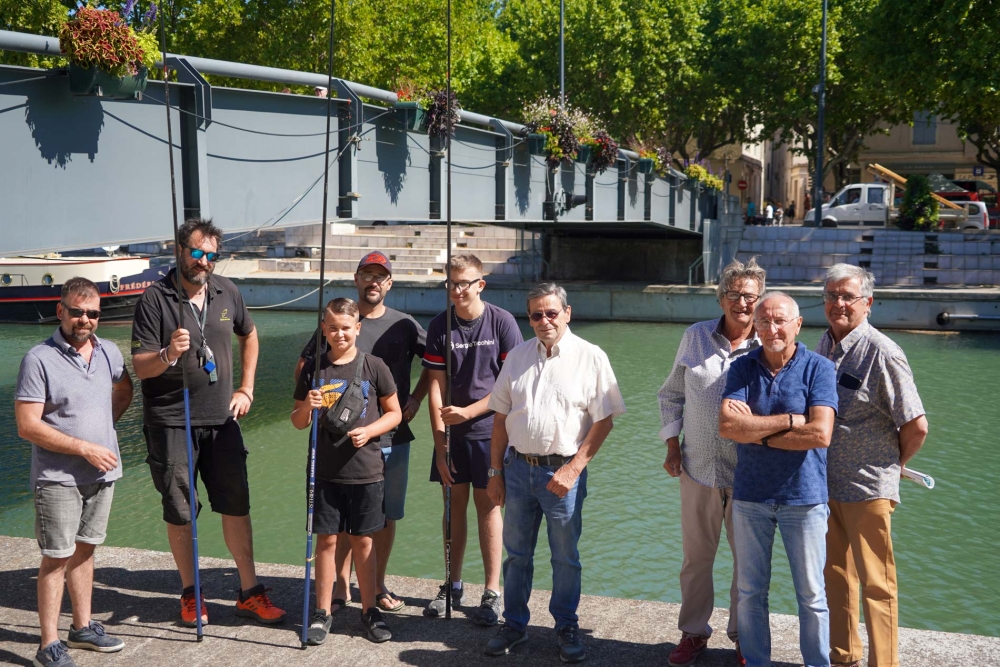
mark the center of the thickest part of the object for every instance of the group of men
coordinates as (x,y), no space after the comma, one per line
(520,426)
(808,442)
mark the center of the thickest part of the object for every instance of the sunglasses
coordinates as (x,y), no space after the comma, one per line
(197,253)
(548,314)
(80,312)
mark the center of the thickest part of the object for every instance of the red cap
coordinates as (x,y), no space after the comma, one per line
(376,257)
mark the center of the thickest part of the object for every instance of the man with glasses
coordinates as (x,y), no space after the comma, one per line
(554,404)
(880,426)
(395,338)
(779,405)
(71,390)
(481,337)
(213,312)
(689,403)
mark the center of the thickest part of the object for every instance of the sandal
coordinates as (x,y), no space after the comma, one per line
(339,603)
(391,608)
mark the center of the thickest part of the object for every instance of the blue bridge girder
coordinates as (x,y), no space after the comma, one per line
(86,171)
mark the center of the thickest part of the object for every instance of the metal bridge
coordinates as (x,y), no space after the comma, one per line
(80,172)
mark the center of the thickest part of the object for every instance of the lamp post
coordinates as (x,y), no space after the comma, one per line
(821,94)
(562,54)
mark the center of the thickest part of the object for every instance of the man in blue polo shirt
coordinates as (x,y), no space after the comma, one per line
(779,406)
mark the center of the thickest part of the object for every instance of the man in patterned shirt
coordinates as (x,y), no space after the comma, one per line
(880,426)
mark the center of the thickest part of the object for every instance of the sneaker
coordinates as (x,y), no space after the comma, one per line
(488,613)
(571,647)
(505,639)
(258,606)
(93,638)
(856,663)
(375,628)
(187,609)
(688,650)
(742,662)
(437,605)
(53,655)
(319,627)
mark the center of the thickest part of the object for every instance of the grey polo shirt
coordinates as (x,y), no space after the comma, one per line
(77,398)
(877,396)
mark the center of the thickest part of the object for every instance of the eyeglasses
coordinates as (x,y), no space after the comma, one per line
(736,296)
(765,325)
(80,312)
(376,278)
(462,285)
(547,314)
(197,253)
(847,299)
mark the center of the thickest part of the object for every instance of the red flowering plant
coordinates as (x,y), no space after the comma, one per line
(603,150)
(558,124)
(103,39)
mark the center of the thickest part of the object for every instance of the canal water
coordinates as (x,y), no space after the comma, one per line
(946,538)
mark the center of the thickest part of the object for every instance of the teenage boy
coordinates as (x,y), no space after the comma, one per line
(481,336)
(349,469)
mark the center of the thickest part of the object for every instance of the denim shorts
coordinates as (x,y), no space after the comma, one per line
(397,472)
(65,515)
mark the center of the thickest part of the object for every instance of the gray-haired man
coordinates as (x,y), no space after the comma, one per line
(71,390)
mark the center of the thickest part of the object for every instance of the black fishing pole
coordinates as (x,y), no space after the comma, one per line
(314,433)
(447,347)
(181,300)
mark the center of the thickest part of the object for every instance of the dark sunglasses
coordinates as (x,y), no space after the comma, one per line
(548,314)
(197,253)
(80,312)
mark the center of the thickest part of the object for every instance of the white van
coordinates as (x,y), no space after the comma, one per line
(859,204)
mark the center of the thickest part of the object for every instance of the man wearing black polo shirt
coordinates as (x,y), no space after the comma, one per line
(214,312)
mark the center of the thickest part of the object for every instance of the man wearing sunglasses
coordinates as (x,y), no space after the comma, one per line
(70,392)
(778,406)
(161,348)
(553,405)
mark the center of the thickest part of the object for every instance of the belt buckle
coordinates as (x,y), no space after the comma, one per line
(532,460)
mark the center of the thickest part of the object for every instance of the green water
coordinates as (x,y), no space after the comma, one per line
(946,545)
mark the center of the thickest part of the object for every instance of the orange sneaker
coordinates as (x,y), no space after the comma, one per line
(187,610)
(258,606)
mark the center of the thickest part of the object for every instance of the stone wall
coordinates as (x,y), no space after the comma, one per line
(625,259)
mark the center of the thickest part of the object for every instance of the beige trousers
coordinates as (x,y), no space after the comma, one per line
(703,511)
(859,553)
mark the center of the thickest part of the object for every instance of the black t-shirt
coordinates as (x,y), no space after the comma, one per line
(395,338)
(155,320)
(344,462)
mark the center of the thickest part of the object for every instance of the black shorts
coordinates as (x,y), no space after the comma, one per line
(219,458)
(357,509)
(471,460)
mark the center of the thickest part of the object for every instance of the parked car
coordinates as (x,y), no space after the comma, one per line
(979,215)
(986,194)
(858,204)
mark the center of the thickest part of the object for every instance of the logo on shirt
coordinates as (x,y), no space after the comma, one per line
(136,343)
(333,390)
(474,343)
(225,315)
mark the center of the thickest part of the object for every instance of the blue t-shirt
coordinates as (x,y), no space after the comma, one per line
(777,476)
(478,350)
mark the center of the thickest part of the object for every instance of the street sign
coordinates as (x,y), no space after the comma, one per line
(979,170)
(742,185)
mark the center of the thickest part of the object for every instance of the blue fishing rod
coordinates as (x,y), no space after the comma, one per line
(314,431)
(181,300)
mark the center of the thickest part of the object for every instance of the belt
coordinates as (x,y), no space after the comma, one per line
(551,460)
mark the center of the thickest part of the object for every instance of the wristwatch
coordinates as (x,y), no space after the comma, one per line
(494,472)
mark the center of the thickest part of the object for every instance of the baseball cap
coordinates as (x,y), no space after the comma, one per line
(376,257)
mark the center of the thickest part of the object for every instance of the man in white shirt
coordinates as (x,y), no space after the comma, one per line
(769,215)
(554,403)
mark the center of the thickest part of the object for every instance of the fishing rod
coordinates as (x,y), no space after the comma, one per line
(314,432)
(447,337)
(181,299)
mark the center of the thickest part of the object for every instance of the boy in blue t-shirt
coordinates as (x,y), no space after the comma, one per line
(349,469)
(481,336)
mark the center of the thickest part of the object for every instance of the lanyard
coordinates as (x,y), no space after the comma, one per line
(201,318)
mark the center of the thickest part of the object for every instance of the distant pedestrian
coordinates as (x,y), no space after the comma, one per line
(779,215)
(215,311)
(779,405)
(554,402)
(881,425)
(791,211)
(751,213)
(71,390)
(689,404)
(768,214)
(807,202)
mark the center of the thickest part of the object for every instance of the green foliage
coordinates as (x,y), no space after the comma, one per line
(919,209)
(150,48)
(39,17)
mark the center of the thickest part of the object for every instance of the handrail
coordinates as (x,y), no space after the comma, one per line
(693,267)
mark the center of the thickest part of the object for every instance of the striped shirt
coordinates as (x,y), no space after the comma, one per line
(77,398)
(551,402)
(690,400)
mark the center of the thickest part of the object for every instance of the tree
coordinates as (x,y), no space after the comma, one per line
(39,17)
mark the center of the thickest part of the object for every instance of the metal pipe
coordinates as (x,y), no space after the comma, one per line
(946,318)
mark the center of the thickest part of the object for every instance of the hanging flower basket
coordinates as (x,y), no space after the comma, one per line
(412,116)
(536,143)
(94,81)
(646,165)
(583,153)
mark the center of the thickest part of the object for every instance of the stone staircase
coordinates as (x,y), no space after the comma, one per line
(896,257)
(412,249)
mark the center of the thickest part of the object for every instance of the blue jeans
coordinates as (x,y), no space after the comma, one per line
(803,532)
(397,472)
(527,501)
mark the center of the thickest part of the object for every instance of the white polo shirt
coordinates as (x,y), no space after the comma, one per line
(551,402)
